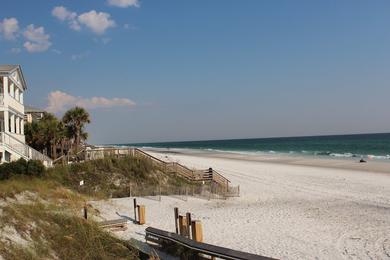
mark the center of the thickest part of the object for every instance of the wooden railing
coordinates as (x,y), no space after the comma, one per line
(23,149)
(162,239)
(168,167)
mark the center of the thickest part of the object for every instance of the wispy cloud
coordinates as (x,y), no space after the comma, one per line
(127,26)
(37,39)
(80,55)
(56,51)
(124,3)
(59,101)
(9,28)
(97,22)
(15,50)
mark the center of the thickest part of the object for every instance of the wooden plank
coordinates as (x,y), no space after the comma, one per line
(211,250)
(197,231)
(120,221)
(141,215)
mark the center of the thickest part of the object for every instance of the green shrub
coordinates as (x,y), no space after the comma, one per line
(21,167)
(35,168)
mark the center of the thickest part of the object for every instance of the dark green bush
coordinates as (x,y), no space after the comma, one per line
(35,168)
(21,167)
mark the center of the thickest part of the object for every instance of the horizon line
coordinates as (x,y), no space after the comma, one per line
(249,138)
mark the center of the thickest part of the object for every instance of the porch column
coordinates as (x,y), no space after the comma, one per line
(17,93)
(22,126)
(12,90)
(17,124)
(12,123)
(5,86)
(6,121)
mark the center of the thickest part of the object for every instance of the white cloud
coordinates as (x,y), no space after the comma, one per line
(124,3)
(96,22)
(9,27)
(60,101)
(37,39)
(63,14)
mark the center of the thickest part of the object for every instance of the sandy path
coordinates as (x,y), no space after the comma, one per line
(285,211)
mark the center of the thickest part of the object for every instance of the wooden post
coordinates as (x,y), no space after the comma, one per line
(135,209)
(141,214)
(85,211)
(188,218)
(183,226)
(197,232)
(176,210)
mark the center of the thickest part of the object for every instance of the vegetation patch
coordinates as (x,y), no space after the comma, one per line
(50,233)
(21,167)
(112,177)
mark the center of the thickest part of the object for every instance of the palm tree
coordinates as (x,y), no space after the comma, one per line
(34,135)
(75,120)
(49,129)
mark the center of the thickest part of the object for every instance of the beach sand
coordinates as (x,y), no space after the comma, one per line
(289,208)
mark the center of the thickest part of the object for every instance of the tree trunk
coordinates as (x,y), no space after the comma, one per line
(55,151)
(62,146)
(78,130)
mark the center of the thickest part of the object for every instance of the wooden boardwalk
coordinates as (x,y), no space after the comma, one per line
(191,175)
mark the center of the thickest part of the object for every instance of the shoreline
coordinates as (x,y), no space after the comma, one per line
(374,166)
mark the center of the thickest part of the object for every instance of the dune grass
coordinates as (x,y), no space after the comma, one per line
(41,214)
(53,233)
(111,177)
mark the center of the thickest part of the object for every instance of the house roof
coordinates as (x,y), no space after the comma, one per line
(9,68)
(28,109)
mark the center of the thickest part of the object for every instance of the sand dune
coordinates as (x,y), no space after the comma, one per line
(285,211)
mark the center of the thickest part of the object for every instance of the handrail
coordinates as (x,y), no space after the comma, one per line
(211,250)
(149,155)
(25,150)
(173,167)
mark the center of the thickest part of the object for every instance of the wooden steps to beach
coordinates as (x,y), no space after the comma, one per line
(209,175)
(192,175)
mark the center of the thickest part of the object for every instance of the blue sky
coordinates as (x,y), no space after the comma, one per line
(189,70)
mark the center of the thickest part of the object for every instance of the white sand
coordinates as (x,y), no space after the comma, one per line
(285,211)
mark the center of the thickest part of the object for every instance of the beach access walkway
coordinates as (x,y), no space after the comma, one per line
(191,175)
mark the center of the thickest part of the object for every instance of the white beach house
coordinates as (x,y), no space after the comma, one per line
(12,141)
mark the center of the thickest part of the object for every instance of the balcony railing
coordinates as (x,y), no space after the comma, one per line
(23,149)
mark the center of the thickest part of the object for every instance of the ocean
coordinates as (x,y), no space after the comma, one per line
(372,146)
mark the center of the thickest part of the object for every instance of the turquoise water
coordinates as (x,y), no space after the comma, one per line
(376,146)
